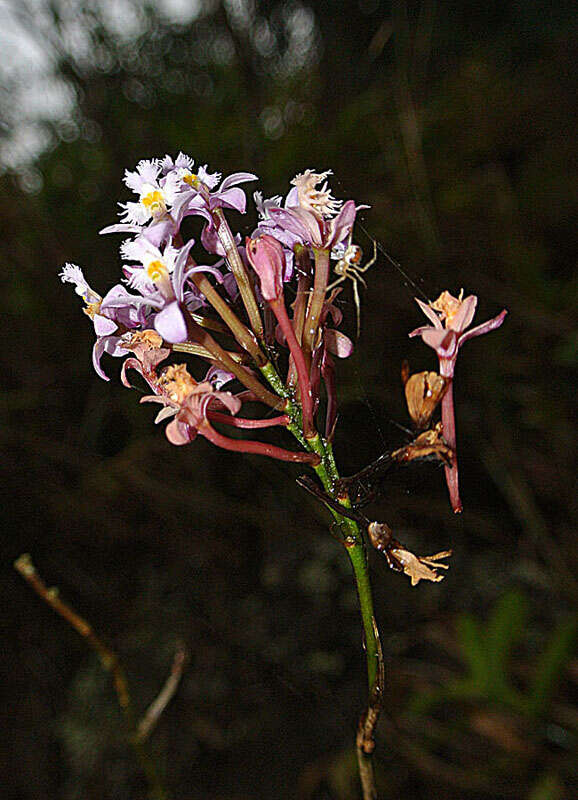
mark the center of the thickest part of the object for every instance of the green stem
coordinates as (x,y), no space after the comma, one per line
(354,545)
(352,537)
(358,558)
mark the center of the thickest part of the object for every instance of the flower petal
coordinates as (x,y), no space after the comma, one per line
(179,433)
(485,327)
(103,326)
(445,343)
(170,323)
(421,330)
(430,313)
(231,198)
(105,344)
(340,227)
(230,401)
(236,178)
(338,343)
(465,315)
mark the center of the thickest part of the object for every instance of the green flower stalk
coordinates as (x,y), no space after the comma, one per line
(209,307)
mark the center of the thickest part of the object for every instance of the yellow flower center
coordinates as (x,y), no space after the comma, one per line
(154,202)
(448,306)
(156,271)
(191,179)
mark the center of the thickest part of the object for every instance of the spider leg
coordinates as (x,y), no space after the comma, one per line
(372,261)
(354,280)
(336,283)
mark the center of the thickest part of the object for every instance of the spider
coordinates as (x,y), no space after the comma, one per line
(348,266)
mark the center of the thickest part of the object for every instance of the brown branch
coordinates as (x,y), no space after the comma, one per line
(166,694)
(109,662)
(365,740)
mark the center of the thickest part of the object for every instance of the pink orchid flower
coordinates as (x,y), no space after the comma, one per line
(451,317)
(456,315)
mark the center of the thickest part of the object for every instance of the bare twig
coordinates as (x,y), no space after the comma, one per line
(156,708)
(365,741)
(109,662)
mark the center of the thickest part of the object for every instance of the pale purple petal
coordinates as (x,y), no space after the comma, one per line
(182,161)
(134,213)
(231,286)
(485,327)
(230,198)
(138,249)
(236,178)
(210,179)
(287,238)
(430,313)
(146,172)
(123,307)
(292,199)
(194,300)
(170,323)
(465,315)
(301,223)
(211,242)
(105,344)
(160,231)
(104,326)
(341,225)
(205,268)
(189,203)
(179,277)
(122,227)
(118,297)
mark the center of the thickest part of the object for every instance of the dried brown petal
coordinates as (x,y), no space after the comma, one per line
(423,392)
(428,445)
(420,568)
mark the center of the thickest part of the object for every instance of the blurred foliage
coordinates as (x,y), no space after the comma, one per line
(458,125)
(486,653)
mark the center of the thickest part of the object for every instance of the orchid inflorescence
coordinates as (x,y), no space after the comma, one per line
(228,308)
(167,302)
(223,300)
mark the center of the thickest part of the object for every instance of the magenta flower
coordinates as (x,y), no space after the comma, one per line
(112,315)
(446,339)
(161,278)
(457,315)
(191,405)
(188,403)
(310,216)
(199,194)
(267,257)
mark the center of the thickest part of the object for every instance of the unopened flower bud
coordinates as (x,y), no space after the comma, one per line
(267,257)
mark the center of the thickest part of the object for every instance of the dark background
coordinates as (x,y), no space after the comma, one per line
(457,125)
